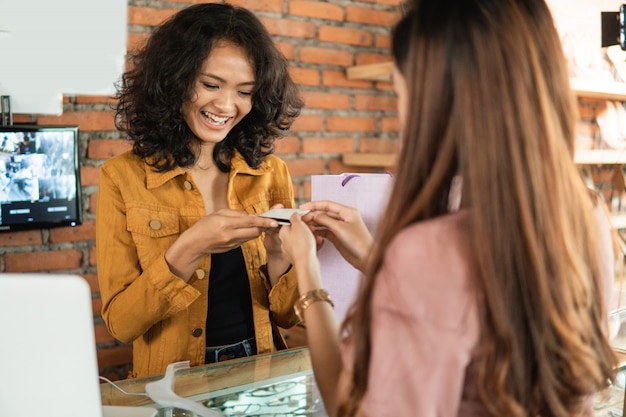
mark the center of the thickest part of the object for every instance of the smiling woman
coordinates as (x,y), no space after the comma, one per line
(187,270)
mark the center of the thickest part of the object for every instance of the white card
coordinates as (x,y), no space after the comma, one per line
(283,215)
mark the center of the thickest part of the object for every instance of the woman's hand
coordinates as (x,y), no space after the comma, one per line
(344,227)
(298,244)
(218,232)
(277,261)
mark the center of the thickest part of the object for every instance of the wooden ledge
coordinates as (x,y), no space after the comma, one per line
(369,159)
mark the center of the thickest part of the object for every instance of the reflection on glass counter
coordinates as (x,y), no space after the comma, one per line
(277,385)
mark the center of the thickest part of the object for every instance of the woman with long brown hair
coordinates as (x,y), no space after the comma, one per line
(485,289)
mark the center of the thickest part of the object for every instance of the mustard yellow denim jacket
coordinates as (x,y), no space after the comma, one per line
(140,214)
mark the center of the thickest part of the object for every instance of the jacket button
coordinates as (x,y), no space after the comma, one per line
(188,185)
(155,224)
(197,332)
(200,273)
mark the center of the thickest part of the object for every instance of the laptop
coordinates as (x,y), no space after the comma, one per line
(48,362)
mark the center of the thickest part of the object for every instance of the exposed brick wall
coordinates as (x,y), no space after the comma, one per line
(320,39)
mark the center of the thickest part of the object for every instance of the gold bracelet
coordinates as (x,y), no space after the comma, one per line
(309,298)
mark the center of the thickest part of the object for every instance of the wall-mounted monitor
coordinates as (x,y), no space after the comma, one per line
(39,177)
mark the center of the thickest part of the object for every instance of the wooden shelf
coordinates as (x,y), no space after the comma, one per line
(600,157)
(373,72)
(369,159)
(604,90)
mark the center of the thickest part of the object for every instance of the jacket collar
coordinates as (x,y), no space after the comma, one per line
(238,165)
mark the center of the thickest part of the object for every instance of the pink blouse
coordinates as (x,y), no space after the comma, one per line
(426,325)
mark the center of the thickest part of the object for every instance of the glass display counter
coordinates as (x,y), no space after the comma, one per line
(273,385)
(281,384)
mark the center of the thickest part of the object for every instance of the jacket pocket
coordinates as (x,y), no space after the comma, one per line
(154,229)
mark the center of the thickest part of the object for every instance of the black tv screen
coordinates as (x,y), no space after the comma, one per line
(39,177)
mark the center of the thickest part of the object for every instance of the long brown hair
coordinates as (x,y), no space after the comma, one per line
(489,99)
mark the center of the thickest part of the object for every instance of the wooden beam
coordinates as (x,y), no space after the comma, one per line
(370,159)
(603,90)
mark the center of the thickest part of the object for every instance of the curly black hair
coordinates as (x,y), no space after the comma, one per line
(161,78)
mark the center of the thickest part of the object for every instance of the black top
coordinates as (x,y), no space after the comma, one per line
(229,319)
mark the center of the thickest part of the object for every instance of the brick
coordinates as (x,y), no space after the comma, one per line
(379,145)
(89,175)
(382,41)
(102,334)
(85,120)
(316,9)
(296,191)
(390,124)
(306,190)
(93,203)
(115,356)
(305,166)
(328,145)
(325,56)
(305,76)
(371,58)
(23,118)
(375,102)
(94,100)
(307,122)
(371,16)
(136,41)
(85,231)
(43,261)
(92,280)
(96,306)
(148,16)
(275,6)
(287,145)
(93,257)
(187,2)
(325,100)
(348,124)
(333,78)
(350,36)
(383,86)
(106,148)
(22,238)
(385,2)
(288,49)
(291,28)
(336,166)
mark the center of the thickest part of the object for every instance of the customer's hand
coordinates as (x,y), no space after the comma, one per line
(297,240)
(298,243)
(277,261)
(344,227)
